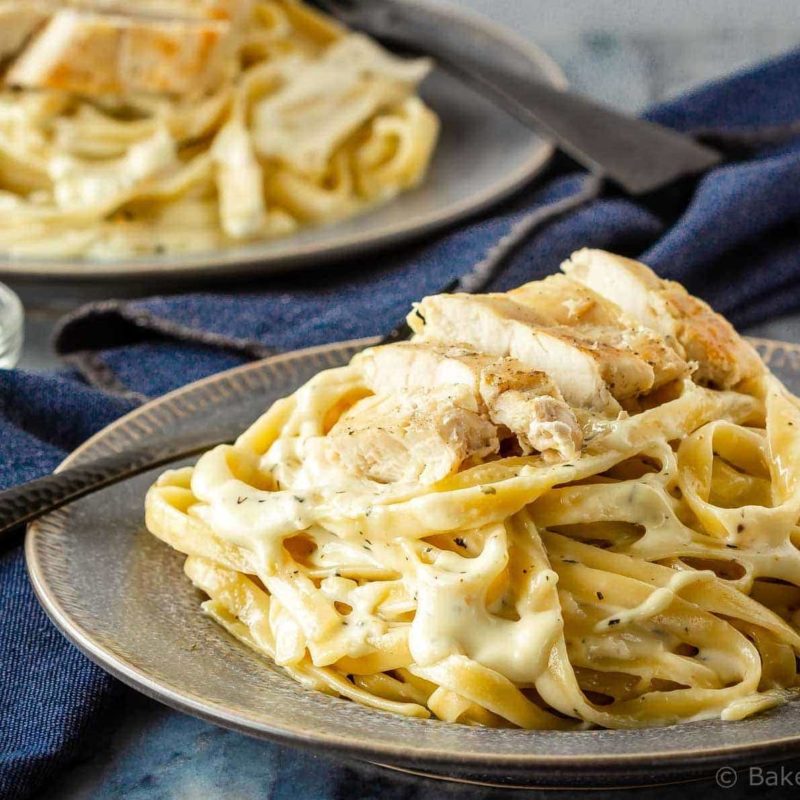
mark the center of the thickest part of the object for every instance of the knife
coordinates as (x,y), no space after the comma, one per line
(639,156)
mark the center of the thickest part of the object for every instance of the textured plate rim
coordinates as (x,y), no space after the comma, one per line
(320,739)
(286,257)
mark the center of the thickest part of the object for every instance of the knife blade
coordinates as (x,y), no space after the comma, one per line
(637,155)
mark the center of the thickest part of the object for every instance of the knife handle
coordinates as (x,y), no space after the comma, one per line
(31,500)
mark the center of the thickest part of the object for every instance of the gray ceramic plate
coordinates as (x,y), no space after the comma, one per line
(483,156)
(120,595)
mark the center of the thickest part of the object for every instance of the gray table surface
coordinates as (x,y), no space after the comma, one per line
(628,54)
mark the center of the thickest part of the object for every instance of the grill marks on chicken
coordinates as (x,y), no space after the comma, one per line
(568,303)
(111,54)
(114,48)
(722,359)
(541,368)
(601,360)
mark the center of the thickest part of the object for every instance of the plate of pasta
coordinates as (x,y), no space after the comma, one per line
(550,540)
(207,136)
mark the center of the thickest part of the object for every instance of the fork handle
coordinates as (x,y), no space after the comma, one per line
(28,501)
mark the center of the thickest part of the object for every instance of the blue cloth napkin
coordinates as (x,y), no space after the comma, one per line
(737,243)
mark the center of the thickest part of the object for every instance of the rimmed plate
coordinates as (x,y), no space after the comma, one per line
(120,595)
(483,156)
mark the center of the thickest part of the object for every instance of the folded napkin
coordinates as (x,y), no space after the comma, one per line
(737,243)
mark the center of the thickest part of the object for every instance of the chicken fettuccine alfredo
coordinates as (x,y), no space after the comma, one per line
(571,504)
(195,124)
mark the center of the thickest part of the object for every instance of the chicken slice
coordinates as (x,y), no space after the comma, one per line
(417,436)
(567,302)
(529,404)
(525,401)
(589,365)
(723,358)
(405,366)
(93,54)
(629,284)
(643,344)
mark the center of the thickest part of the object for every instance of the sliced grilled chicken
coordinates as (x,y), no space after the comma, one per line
(567,302)
(529,404)
(627,283)
(525,401)
(417,365)
(649,347)
(420,435)
(112,54)
(562,301)
(591,365)
(723,358)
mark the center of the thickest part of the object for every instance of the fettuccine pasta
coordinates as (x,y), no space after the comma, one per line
(218,122)
(573,504)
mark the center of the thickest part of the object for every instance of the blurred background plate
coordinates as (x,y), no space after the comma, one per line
(483,156)
(120,595)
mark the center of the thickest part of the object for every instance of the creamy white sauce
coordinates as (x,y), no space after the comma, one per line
(452,617)
(658,601)
(78,184)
